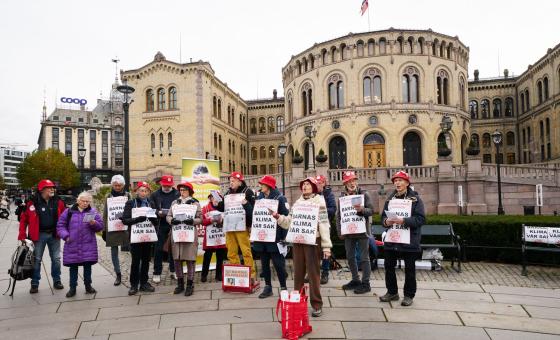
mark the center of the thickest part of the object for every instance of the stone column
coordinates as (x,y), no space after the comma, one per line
(475,193)
(322,169)
(446,187)
(297,172)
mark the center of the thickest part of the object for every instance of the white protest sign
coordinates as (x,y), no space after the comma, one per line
(144,231)
(115,208)
(237,276)
(234,214)
(183,232)
(554,235)
(185,211)
(215,236)
(536,234)
(399,233)
(303,228)
(350,222)
(264,225)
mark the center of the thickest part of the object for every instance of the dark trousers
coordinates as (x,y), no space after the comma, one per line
(221,254)
(141,253)
(74,275)
(409,272)
(163,233)
(279,263)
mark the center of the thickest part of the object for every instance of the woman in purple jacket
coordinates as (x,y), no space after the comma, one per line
(77,227)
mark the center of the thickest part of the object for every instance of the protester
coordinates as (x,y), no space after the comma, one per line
(185,251)
(114,239)
(211,223)
(306,258)
(77,227)
(162,198)
(38,223)
(363,210)
(326,191)
(405,197)
(140,252)
(269,250)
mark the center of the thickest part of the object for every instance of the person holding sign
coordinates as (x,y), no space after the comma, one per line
(352,223)
(214,237)
(115,233)
(183,216)
(77,227)
(237,207)
(403,216)
(309,230)
(266,235)
(142,235)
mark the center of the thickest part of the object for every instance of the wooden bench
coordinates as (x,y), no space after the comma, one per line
(444,232)
(536,245)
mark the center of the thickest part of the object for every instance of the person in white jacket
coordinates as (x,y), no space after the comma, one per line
(307,258)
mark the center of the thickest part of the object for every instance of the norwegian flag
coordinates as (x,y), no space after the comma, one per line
(364,6)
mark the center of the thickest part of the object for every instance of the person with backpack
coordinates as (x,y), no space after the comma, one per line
(269,250)
(38,223)
(212,223)
(77,227)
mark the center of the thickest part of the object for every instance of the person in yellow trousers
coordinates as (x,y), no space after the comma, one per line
(236,240)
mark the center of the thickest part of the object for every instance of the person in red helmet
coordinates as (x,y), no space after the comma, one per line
(38,223)
(402,240)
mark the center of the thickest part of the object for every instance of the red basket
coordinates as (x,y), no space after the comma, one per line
(295,317)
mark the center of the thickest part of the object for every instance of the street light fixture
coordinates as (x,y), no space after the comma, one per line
(126,91)
(497,139)
(446,123)
(282,149)
(311,132)
(82,155)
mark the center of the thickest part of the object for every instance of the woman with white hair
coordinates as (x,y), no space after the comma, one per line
(116,238)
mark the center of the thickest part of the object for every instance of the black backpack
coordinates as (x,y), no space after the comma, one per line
(23,262)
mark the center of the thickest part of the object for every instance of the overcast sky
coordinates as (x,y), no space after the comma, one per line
(64,48)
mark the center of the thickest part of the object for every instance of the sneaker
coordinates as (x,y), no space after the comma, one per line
(316,312)
(324,277)
(267,291)
(156,278)
(352,285)
(132,291)
(406,301)
(90,290)
(71,292)
(389,297)
(34,290)
(173,276)
(58,285)
(146,287)
(364,288)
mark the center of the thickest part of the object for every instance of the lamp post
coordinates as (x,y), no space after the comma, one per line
(126,91)
(311,132)
(497,139)
(282,148)
(446,125)
(82,155)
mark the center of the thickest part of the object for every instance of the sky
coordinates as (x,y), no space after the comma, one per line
(53,49)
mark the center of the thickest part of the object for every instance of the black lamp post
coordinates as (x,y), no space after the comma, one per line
(311,132)
(126,91)
(282,148)
(497,139)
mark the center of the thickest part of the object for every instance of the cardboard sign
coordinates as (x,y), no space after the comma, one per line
(399,233)
(115,208)
(215,236)
(350,222)
(144,231)
(303,228)
(234,214)
(237,276)
(264,225)
(183,232)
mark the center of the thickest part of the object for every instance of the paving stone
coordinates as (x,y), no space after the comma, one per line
(21,299)
(121,325)
(97,337)
(261,330)
(269,302)
(60,296)
(325,330)
(109,291)
(472,306)
(332,292)
(527,300)
(352,314)
(18,312)
(98,303)
(402,331)
(220,294)
(48,319)
(522,291)
(464,296)
(170,297)
(364,301)
(422,316)
(502,334)
(159,334)
(215,317)
(214,332)
(157,309)
(510,322)
(543,312)
(466,287)
(59,330)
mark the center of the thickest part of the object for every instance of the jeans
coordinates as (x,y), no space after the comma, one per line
(141,253)
(46,239)
(163,233)
(74,275)
(409,272)
(221,254)
(325,265)
(115,259)
(350,244)
(279,263)
(373,250)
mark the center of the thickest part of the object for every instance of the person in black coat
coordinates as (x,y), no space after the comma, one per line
(407,251)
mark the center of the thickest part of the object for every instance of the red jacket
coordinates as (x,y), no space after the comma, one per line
(205,222)
(29,218)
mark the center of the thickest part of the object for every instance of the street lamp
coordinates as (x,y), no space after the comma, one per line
(497,139)
(446,123)
(311,132)
(126,90)
(282,149)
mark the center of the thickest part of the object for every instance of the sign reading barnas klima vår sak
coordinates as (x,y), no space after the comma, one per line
(303,227)
(264,225)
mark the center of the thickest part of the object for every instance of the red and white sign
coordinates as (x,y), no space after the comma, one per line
(234,214)
(115,208)
(264,225)
(350,222)
(399,233)
(144,231)
(303,227)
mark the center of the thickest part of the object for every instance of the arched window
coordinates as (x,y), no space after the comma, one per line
(435,44)
(442,87)
(270,124)
(305,65)
(229,114)
(298,65)
(421,44)
(476,140)
(307,99)
(360,48)
(497,108)
(485,108)
(371,47)
(312,61)
(161,141)
(169,140)
(262,152)
(220,142)
(382,46)
(336,91)
(522,100)
(410,85)
(473,107)
(527,101)
(150,105)
(241,123)
(153,141)
(509,107)
(510,138)
(324,56)
(279,124)
(410,45)
(333,54)
(262,125)
(400,45)
(486,140)
(214,107)
(442,49)
(540,91)
(229,146)
(545,88)
(290,107)
(343,52)
(372,86)
(172,98)
(449,49)
(462,92)
(253,153)
(253,125)
(271,153)
(219,108)
(161,99)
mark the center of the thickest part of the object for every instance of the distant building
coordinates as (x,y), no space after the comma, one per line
(10,158)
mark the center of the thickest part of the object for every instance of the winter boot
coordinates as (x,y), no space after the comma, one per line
(118,280)
(190,288)
(180,286)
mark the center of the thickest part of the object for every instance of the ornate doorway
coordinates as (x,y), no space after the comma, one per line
(412,149)
(374,151)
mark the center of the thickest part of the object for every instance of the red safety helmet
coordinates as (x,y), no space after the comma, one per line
(321,179)
(311,181)
(237,175)
(142,184)
(269,181)
(186,185)
(348,176)
(167,180)
(45,183)
(400,174)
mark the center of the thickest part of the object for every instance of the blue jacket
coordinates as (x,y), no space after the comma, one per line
(330,200)
(281,233)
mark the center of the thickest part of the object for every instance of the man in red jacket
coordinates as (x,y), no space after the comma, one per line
(38,223)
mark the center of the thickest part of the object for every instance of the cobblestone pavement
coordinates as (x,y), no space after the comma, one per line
(486,301)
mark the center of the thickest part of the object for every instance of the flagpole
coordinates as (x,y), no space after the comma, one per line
(369,27)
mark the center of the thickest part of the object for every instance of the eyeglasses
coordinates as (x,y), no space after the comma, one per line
(183,189)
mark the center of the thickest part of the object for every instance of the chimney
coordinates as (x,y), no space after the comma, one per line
(82,107)
(475,75)
(274,94)
(506,73)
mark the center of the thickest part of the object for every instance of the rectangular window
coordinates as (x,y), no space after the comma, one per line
(55,118)
(92,148)
(81,120)
(254,170)
(511,158)
(80,138)
(68,119)
(105,163)
(263,169)
(95,121)
(55,138)
(118,135)
(487,158)
(118,149)
(118,162)
(68,142)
